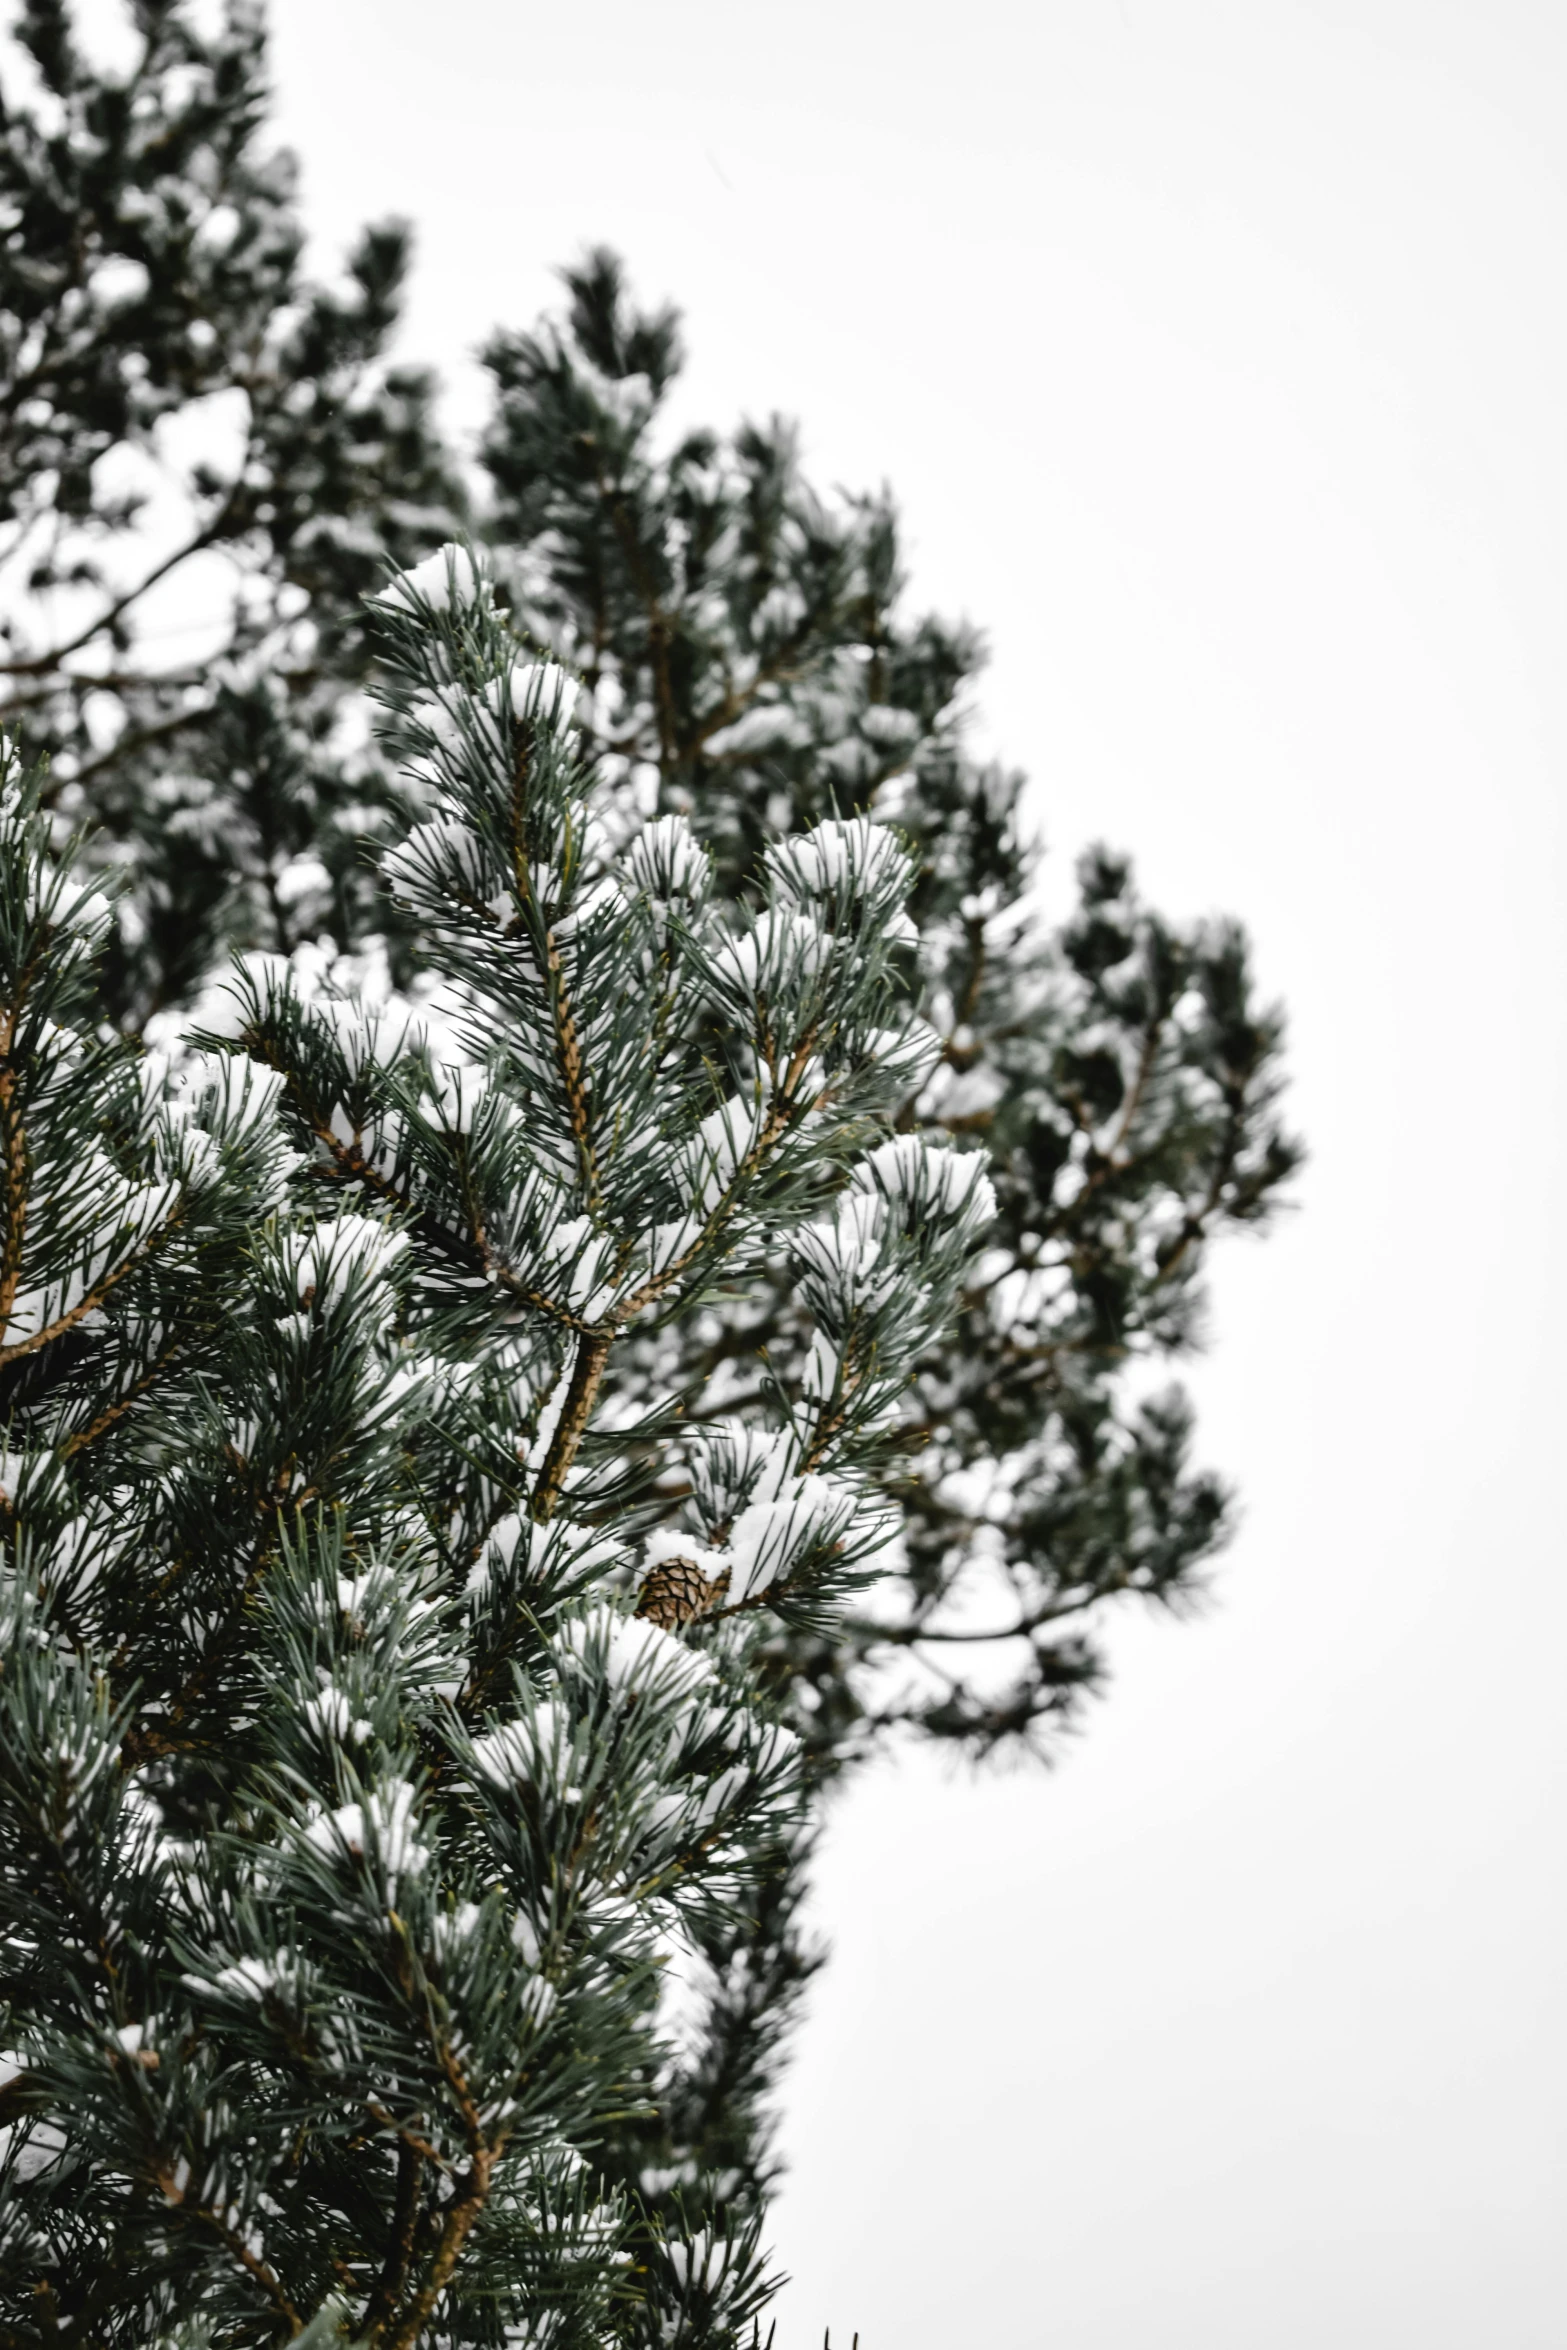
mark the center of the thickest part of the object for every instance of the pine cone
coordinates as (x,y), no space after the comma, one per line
(677,1590)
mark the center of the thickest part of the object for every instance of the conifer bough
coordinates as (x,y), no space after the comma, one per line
(361,1771)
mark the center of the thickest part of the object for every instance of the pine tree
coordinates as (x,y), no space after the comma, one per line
(750,666)
(380,1719)
(747,665)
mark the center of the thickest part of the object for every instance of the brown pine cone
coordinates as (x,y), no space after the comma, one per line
(676,1591)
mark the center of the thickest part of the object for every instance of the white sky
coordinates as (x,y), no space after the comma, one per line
(1217,354)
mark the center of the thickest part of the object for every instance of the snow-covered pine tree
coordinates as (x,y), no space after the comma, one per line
(749,664)
(386,1708)
(205,462)
(753,666)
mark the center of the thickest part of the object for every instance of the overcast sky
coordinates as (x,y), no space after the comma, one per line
(1217,355)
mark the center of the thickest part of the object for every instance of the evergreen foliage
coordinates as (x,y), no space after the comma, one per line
(205,463)
(748,666)
(349,1812)
(750,678)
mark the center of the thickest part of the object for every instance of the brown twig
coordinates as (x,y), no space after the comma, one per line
(568,1057)
(94,1297)
(13,1157)
(251,2262)
(586,1373)
(382,2305)
(116,1411)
